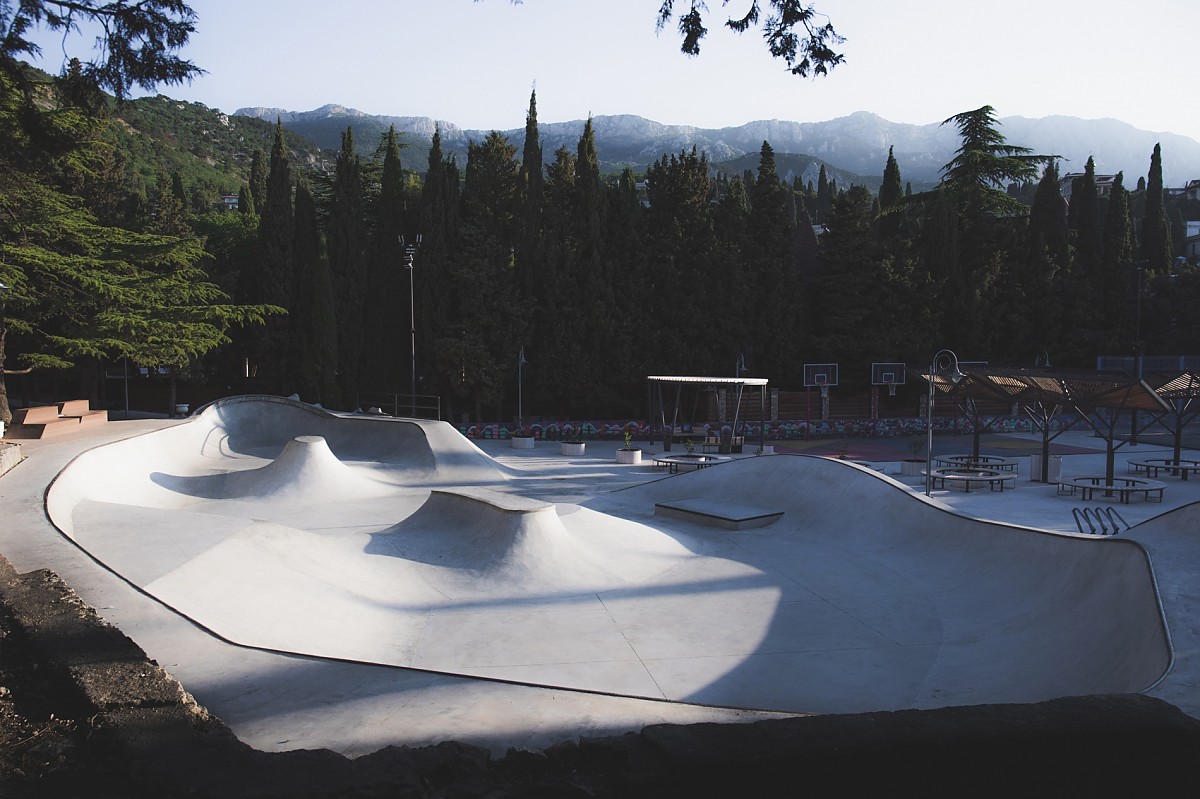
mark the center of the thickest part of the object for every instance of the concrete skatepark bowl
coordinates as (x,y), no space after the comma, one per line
(282,527)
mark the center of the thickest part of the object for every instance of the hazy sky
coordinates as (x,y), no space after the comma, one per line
(474,63)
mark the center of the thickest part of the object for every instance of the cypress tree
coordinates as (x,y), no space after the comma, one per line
(386,345)
(246,201)
(258,179)
(1156,236)
(348,243)
(891,192)
(588,192)
(1084,220)
(314,347)
(1048,231)
(531,184)
(1117,261)
(272,282)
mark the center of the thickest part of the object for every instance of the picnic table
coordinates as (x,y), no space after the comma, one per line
(1152,466)
(1121,487)
(994,462)
(994,479)
(674,462)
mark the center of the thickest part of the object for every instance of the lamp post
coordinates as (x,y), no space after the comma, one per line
(945,361)
(410,250)
(520,408)
(1140,267)
(4,412)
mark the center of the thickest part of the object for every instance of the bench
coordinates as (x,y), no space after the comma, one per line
(46,421)
(993,479)
(1152,466)
(993,462)
(673,462)
(1121,487)
(41,421)
(81,410)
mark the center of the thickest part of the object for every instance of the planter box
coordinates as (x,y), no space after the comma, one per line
(629,456)
(522,442)
(571,449)
(912,467)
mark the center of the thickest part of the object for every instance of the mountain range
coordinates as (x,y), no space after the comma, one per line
(855,145)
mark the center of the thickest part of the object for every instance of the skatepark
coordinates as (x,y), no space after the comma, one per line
(345,581)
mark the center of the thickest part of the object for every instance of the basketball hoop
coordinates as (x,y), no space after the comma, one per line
(891,385)
(824,391)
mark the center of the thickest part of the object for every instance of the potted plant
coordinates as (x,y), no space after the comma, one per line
(522,439)
(629,453)
(571,443)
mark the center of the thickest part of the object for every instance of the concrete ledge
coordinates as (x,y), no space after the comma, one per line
(726,515)
(10,456)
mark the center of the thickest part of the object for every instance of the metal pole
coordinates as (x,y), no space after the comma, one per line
(929,432)
(412,325)
(1137,356)
(410,251)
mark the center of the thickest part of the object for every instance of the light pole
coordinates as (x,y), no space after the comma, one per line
(410,250)
(3,333)
(1140,267)
(945,361)
(520,408)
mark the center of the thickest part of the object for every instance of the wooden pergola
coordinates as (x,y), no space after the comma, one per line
(1097,397)
(658,382)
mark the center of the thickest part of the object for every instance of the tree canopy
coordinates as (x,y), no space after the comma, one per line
(136,47)
(789,27)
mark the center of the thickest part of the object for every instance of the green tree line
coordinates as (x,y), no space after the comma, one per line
(599,279)
(602,280)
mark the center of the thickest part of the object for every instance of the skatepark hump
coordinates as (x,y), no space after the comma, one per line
(280,526)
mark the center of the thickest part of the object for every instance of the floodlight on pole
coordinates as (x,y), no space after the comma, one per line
(410,250)
(944,362)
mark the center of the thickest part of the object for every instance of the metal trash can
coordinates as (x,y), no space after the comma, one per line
(1035,468)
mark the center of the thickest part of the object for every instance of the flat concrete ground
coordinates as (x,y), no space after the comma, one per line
(758,590)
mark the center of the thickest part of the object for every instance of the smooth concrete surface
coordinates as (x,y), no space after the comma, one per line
(390,582)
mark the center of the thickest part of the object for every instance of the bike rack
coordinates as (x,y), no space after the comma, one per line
(1100,521)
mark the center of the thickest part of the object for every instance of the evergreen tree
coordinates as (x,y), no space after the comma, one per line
(1156,237)
(386,337)
(1118,279)
(824,196)
(348,241)
(588,192)
(531,181)
(891,192)
(1084,219)
(168,214)
(246,202)
(258,179)
(1048,230)
(314,327)
(272,282)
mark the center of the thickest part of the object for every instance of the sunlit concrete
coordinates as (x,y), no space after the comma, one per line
(353,582)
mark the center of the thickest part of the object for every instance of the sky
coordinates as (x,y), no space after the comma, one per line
(473,64)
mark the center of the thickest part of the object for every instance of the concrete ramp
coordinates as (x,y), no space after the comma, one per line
(306,471)
(398,542)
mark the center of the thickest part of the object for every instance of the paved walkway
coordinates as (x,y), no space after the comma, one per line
(275,701)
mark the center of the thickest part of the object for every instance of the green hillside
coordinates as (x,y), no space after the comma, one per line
(209,150)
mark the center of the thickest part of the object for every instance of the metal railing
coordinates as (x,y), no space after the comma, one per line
(1099,521)
(412,406)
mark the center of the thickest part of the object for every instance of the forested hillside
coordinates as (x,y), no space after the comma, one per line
(599,279)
